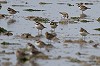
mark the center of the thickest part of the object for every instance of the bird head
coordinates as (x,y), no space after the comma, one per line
(37,23)
(9,9)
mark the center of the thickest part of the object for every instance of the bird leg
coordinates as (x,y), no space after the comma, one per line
(54,29)
(83,38)
(41,31)
(50,41)
(82,12)
(13,16)
(38,32)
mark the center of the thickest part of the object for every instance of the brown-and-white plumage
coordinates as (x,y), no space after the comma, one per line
(64,14)
(53,25)
(8,33)
(95,45)
(82,7)
(40,44)
(34,53)
(49,36)
(39,26)
(27,36)
(12,11)
(2,16)
(31,47)
(83,32)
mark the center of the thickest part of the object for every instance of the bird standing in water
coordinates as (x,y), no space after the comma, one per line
(82,7)
(53,25)
(49,36)
(33,50)
(31,47)
(84,33)
(64,14)
(40,44)
(12,11)
(2,16)
(39,26)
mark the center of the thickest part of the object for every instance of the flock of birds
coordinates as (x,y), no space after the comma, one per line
(40,27)
(53,25)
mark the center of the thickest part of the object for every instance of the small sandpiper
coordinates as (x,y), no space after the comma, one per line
(64,14)
(39,26)
(49,36)
(83,32)
(40,44)
(53,25)
(34,53)
(12,11)
(82,7)
(2,16)
(33,50)
(31,47)
(95,45)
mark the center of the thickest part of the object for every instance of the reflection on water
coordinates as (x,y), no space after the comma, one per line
(6,64)
(67,28)
(11,21)
(83,15)
(28,63)
(64,21)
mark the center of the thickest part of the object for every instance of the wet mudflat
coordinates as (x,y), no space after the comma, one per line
(66,48)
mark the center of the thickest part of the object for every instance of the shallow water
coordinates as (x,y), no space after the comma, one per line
(69,31)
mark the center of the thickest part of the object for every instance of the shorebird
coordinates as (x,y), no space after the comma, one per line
(40,44)
(49,36)
(8,33)
(39,26)
(35,53)
(64,14)
(95,45)
(53,25)
(2,16)
(83,32)
(31,47)
(27,36)
(12,11)
(82,7)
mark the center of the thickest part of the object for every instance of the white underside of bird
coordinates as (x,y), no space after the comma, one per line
(37,44)
(28,47)
(53,26)
(39,27)
(30,53)
(84,33)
